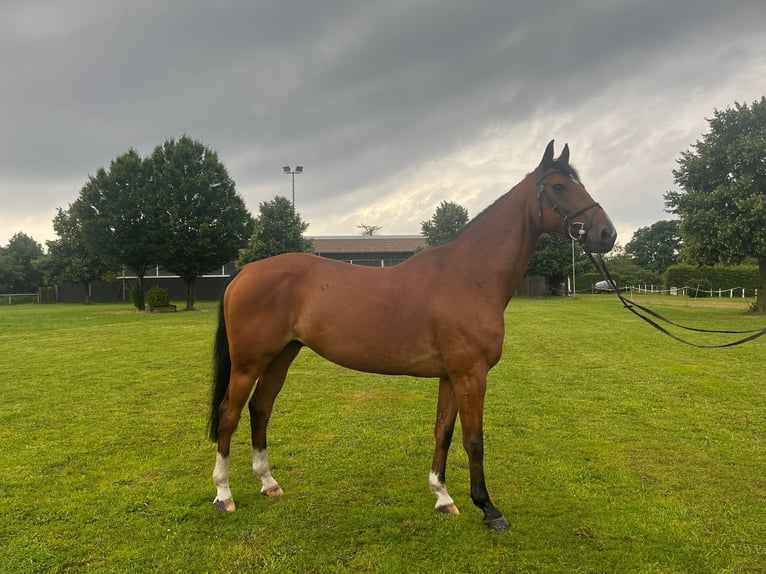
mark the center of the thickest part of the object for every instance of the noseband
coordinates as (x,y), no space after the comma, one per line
(566,217)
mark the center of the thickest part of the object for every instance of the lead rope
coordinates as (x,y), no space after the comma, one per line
(634,307)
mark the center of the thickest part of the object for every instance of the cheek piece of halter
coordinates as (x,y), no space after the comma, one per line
(575,234)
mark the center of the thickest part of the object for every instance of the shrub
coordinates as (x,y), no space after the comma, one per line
(136,296)
(713,277)
(157,297)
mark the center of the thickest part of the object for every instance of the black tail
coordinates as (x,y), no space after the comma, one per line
(221,374)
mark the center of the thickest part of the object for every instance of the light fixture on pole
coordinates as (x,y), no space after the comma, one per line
(288,171)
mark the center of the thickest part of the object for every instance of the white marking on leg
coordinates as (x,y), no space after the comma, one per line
(443,499)
(221,479)
(261,470)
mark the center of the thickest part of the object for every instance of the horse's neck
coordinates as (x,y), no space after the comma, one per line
(496,249)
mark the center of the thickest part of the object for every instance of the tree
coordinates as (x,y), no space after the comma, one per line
(625,271)
(278,229)
(8,272)
(552,258)
(656,247)
(204,221)
(722,200)
(369,230)
(447,220)
(69,259)
(17,272)
(121,218)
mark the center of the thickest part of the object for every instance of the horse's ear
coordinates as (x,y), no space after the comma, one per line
(547,160)
(564,157)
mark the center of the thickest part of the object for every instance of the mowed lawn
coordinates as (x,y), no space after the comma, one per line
(610,448)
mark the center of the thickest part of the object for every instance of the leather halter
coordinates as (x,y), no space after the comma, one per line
(566,217)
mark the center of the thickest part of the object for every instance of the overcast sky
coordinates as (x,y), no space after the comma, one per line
(391,106)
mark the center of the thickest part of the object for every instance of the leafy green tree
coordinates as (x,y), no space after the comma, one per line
(121,218)
(204,221)
(625,271)
(278,229)
(552,258)
(17,271)
(69,259)
(657,247)
(447,220)
(722,200)
(8,272)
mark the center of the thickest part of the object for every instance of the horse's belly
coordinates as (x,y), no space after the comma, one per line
(398,356)
(372,324)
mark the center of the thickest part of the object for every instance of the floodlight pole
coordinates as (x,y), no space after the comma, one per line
(292,172)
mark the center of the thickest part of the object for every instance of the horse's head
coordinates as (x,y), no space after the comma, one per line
(564,205)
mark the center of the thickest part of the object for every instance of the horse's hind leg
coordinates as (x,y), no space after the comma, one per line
(260,406)
(240,385)
(446,413)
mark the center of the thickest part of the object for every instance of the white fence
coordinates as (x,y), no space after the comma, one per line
(730,292)
(12,298)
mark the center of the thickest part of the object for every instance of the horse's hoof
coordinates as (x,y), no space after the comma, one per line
(272,492)
(499,523)
(448,509)
(224,505)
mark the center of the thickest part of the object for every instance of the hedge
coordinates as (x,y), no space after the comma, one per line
(717,277)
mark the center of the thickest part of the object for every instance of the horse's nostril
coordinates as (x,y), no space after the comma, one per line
(608,237)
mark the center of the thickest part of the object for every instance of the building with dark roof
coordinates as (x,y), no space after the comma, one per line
(373,251)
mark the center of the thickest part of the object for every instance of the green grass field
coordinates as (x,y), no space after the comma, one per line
(609,447)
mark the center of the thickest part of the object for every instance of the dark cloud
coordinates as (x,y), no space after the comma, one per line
(390,106)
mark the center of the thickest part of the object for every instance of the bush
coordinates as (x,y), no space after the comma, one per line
(157,297)
(713,277)
(136,296)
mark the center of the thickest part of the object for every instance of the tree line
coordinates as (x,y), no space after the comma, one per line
(177,208)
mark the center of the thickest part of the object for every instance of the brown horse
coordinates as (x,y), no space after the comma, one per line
(438,314)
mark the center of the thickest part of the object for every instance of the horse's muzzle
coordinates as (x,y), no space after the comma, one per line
(600,237)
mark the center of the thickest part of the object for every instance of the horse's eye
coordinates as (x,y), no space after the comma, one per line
(559,187)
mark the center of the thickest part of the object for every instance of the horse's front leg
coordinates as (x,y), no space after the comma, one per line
(469,394)
(446,413)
